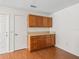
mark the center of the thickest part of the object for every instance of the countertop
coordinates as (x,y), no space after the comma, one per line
(40,33)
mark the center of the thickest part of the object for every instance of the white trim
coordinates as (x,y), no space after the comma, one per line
(67,51)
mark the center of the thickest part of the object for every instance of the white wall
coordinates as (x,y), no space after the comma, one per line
(67,29)
(53,28)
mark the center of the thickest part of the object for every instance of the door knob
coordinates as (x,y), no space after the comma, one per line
(6,33)
(16,34)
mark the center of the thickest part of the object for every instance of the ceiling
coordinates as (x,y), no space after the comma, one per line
(46,6)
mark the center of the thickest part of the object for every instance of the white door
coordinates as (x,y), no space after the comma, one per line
(20,32)
(4,34)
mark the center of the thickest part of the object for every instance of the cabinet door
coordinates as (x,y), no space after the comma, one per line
(32,21)
(53,39)
(39,21)
(41,42)
(50,40)
(47,21)
(33,43)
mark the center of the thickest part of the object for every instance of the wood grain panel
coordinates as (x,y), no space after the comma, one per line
(47,21)
(39,21)
(32,21)
(41,41)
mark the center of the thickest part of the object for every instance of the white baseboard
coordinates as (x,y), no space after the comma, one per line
(68,51)
(12,51)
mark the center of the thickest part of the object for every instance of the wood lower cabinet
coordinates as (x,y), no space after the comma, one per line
(41,41)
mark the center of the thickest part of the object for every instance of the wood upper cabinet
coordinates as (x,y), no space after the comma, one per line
(41,41)
(39,21)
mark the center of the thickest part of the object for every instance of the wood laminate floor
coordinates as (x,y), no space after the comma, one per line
(49,53)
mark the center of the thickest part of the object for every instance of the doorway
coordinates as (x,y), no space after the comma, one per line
(20,32)
(4,33)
